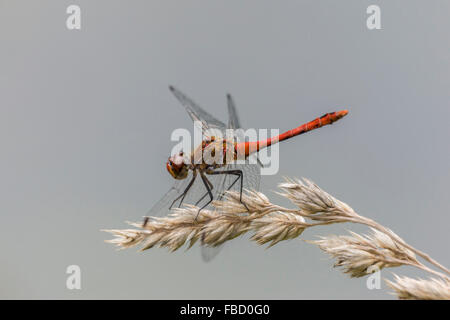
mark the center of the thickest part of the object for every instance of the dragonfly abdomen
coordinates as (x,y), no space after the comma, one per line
(248,148)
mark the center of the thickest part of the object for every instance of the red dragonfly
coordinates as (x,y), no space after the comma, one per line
(217,177)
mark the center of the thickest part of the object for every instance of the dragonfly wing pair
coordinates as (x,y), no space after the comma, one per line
(251,172)
(197,193)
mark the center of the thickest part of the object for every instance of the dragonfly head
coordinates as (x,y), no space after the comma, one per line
(176,166)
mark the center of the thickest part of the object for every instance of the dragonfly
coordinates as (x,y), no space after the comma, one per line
(200,179)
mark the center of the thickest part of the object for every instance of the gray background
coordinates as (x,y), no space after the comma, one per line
(86,119)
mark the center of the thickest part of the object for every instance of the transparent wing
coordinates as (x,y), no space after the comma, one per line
(209,253)
(161,208)
(209,124)
(251,177)
(251,180)
(234,123)
(251,174)
(233,119)
(196,192)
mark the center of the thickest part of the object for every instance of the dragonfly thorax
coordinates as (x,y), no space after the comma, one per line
(176,166)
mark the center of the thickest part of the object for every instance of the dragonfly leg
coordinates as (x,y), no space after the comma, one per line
(203,197)
(231,186)
(207,184)
(259,162)
(183,195)
(240,175)
(186,191)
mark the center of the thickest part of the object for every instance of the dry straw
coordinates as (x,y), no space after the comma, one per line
(269,224)
(412,289)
